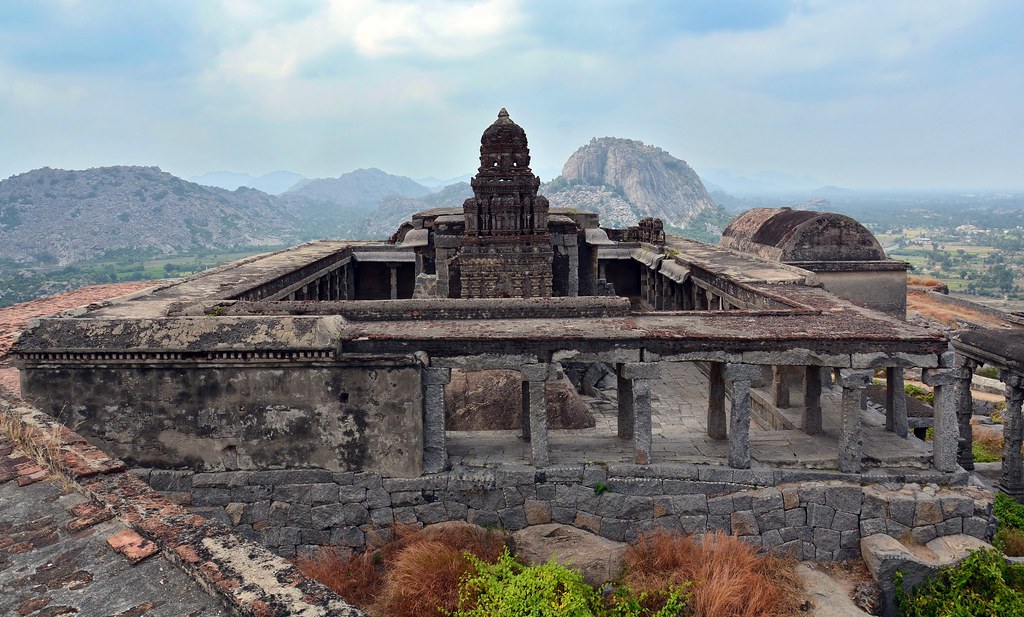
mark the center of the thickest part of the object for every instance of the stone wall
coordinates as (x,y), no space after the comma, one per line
(246,415)
(807,514)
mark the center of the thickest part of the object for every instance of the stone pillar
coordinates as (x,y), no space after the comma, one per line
(535,410)
(435,454)
(573,288)
(717,420)
(394,281)
(634,380)
(739,417)
(780,387)
(1012,479)
(945,429)
(851,444)
(812,400)
(602,272)
(895,402)
(965,409)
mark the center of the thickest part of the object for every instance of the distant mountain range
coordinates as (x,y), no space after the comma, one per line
(274,183)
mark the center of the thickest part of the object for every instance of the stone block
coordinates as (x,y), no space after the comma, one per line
(714,473)
(375,497)
(637,508)
(791,550)
(690,504)
(976,526)
(808,552)
(253,512)
(872,526)
(641,370)
(696,523)
(563,515)
(221,479)
(771,539)
(431,513)
(849,539)
(820,516)
(546,492)
(615,529)
(744,524)
(307,493)
(314,537)
(407,516)
(923,534)
(407,498)
(300,515)
(456,511)
(927,512)
(720,505)
(636,486)
(565,497)
(956,506)
(166,480)
(368,480)
(605,504)
(844,521)
(775,519)
(796,517)
(902,509)
(790,498)
(484,519)
(215,513)
(766,500)
(827,540)
(742,501)
(844,498)
(339,515)
(718,522)
(212,497)
(348,536)
(382,517)
(896,529)
(594,475)
(950,526)
(812,493)
(251,494)
(537,512)
(803,533)
(590,522)
(513,518)
(291,476)
(873,505)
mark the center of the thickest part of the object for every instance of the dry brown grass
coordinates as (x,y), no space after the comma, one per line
(1011,541)
(416,573)
(923,281)
(730,578)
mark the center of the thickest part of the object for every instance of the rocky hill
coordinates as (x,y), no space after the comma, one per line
(53,217)
(392,211)
(362,188)
(625,180)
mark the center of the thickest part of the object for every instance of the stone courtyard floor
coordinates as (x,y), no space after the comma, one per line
(679,427)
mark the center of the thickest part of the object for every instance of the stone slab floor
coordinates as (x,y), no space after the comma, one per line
(679,426)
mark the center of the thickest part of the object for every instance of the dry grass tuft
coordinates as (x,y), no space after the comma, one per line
(923,281)
(416,573)
(42,445)
(358,578)
(731,579)
(423,581)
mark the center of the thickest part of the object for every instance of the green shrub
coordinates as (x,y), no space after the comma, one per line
(1008,511)
(508,588)
(920,393)
(988,371)
(982,585)
(983,454)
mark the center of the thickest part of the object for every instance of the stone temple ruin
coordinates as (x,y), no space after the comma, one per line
(299,396)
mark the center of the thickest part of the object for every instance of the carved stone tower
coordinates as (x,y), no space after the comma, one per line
(506,250)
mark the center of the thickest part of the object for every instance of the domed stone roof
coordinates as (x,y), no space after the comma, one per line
(791,235)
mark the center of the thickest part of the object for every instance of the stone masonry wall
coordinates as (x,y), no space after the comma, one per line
(809,515)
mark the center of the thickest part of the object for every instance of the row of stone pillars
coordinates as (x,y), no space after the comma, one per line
(1011,479)
(338,284)
(634,411)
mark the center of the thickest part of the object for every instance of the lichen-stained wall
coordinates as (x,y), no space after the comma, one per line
(223,417)
(884,291)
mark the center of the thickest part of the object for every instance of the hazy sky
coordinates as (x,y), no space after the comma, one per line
(885,93)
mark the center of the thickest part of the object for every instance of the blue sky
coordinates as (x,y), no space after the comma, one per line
(872,93)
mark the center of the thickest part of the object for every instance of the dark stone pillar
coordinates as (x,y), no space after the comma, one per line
(851,445)
(945,428)
(965,409)
(812,400)
(635,406)
(780,387)
(535,412)
(435,453)
(1012,480)
(717,420)
(740,376)
(394,281)
(895,402)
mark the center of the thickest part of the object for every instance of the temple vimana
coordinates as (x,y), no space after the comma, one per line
(305,397)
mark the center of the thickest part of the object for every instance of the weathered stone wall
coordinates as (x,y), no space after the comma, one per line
(223,417)
(882,290)
(810,515)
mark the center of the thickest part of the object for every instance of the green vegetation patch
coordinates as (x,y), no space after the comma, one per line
(982,585)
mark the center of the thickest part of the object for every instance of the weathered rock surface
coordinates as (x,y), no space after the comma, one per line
(651,181)
(885,555)
(599,559)
(492,400)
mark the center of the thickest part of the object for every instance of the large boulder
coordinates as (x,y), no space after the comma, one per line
(599,559)
(492,400)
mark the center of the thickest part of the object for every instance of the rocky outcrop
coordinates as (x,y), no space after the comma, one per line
(492,400)
(599,559)
(651,181)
